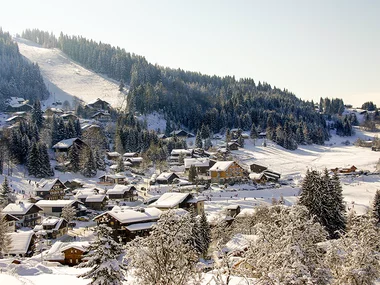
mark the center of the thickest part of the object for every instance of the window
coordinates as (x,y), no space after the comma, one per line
(76,261)
(71,261)
(71,251)
(56,209)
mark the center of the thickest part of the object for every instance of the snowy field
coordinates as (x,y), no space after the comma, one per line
(66,79)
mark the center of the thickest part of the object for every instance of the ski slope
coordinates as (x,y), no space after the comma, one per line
(67,80)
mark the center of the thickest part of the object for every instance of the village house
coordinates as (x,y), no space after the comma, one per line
(202,165)
(52,189)
(52,228)
(26,213)
(50,112)
(15,119)
(232,210)
(96,202)
(177,156)
(16,104)
(54,207)
(345,170)
(127,223)
(233,146)
(82,194)
(22,244)
(166,178)
(114,156)
(111,179)
(265,176)
(64,145)
(130,154)
(102,116)
(256,168)
(10,221)
(134,161)
(186,201)
(68,116)
(224,171)
(181,134)
(123,192)
(67,253)
(99,105)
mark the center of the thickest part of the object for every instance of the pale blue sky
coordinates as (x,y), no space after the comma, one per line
(328,48)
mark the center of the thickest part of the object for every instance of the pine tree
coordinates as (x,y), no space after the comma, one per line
(5,240)
(337,207)
(78,129)
(33,160)
(37,115)
(89,165)
(205,233)
(103,258)
(376,206)
(120,165)
(68,213)
(99,159)
(74,158)
(6,195)
(253,133)
(192,173)
(45,169)
(198,140)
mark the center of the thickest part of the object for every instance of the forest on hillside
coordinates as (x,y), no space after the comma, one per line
(18,77)
(191,99)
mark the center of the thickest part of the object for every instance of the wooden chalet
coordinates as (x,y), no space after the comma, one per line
(256,168)
(233,146)
(166,178)
(68,116)
(123,192)
(181,134)
(52,228)
(202,165)
(224,171)
(265,176)
(114,156)
(26,213)
(67,253)
(101,116)
(134,161)
(22,244)
(49,112)
(99,104)
(10,221)
(232,210)
(50,189)
(54,207)
(111,179)
(127,223)
(351,169)
(96,202)
(186,201)
(130,154)
(15,119)
(64,145)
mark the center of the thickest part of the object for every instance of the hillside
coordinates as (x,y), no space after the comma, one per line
(66,79)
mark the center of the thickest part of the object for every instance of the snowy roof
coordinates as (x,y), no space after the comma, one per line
(95,198)
(221,166)
(254,176)
(84,193)
(55,203)
(232,207)
(126,216)
(20,242)
(120,189)
(18,209)
(180,151)
(13,118)
(113,176)
(170,200)
(100,113)
(245,212)
(113,154)
(56,251)
(140,226)
(164,176)
(129,154)
(81,245)
(135,159)
(50,221)
(46,184)
(194,200)
(65,143)
(239,242)
(198,162)
(97,100)
(68,115)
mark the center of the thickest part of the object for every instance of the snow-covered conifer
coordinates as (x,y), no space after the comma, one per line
(204,233)
(5,240)
(165,256)
(68,213)
(120,165)
(376,206)
(74,158)
(104,259)
(89,165)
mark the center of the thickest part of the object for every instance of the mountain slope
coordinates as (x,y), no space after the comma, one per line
(65,79)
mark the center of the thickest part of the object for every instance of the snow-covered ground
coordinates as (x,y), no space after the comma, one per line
(66,79)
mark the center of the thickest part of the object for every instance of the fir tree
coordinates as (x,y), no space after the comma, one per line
(78,129)
(205,233)
(120,165)
(74,158)
(103,258)
(376,206)
(33,160)
(6,196)
(45,169)
(89,165)
(192,173)
(37,115)
(99,159)
(68,213)
(198,140)
(5,240)
(253,133)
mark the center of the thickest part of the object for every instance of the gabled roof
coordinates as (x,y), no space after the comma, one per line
(121,189)
(47,184)
(197,162)
(10,217)
(240,242)
(113,176)
(130,154)
(55,203)
(95,198)
(221,166)
(113,154)
(18,209)
(14,118)
(180,151)
(66,143)
(127,216)
(165,176)
(170,200)
(100,113)
(20,242)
